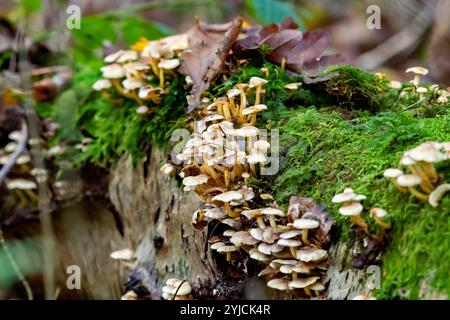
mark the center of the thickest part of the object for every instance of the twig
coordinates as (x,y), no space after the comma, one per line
(20,148)
(15,266)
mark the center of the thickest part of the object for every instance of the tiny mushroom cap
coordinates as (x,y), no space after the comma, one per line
(230,222)
(301,283)
(292,243)
(254,109)
(256,82)
(10,147)
(378,212)
(272,212)
(290,234)
(142,110)
(317,287)
(270,235)
(251,214)
(127,55)
(169,64)
(228,196)
(227,248)
(417,70)
(437,194)
(269,248)
(257,234)
(21,184)
(233,93)
(408,180)
(422,90)
(113,71)
(101,84)
(256,157)
(215,213)
(352,209)
(280,262)
(247,131)
(306,224)
(392,173)
(293,86)
(131,83)
(195,180)
(347,195)
(24,158)
(229,233)
(110,58)
(213,117)
(279,284)
(217,245)
(243,238)
(15,135)
(261,145)
(311,254)
(124,254)
(256,255)
(266,196)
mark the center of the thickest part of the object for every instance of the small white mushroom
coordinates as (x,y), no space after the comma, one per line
(101,84)
(437,194)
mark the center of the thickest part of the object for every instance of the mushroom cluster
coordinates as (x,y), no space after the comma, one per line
(351,207)
(224,152)
(433,92)
(176,289)
(141,74)
(422,181)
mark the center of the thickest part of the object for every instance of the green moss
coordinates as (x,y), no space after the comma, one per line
(323,154)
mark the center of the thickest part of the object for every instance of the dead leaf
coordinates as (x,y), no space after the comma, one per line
(209,46)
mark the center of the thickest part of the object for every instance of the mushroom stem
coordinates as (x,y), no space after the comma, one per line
(307,291)
(108,97)
(226,112)
(294,274)
(22,199)
(32,195)
(273,222)
(400,188)
(294,255)
(416,79)
(430,171)
(305,236)
(425,183)
(230,212)
(119,88)
(243,102)
(419,195)
(252,120)
(260,222)
(154,66)
(253,168)
(226,177)
(228,257)
(232,106)
(382,224)
(211,172)
(283,63)
(359,221)
(258,94)
(161,77)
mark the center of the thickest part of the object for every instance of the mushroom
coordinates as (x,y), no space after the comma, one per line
(176,289)
(428,153)
(252,111)
(378,214)
(255,213)
(113,71)
(311,254)
(291,244)
(226,198)
(129,295)
(293,86)
(229,232)
(131,84)
(166,64)
(437,194)
(409,181)
(231,94)
(393,174)
(227,249)
(193,181)
(278,284)
(421,91)
(126,55)
(268,249)
(142,110)
(353,210)
(217,245)
(256,255)
(112,57)
(243,103)
(303,283)
(305,225)
(258,83)
(243,238)
(257,234)
(216,213)
(290,234)
(417,71)
(272,212)
(101,84)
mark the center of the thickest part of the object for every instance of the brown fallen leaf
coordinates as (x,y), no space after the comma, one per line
(209,46)
(302,52)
